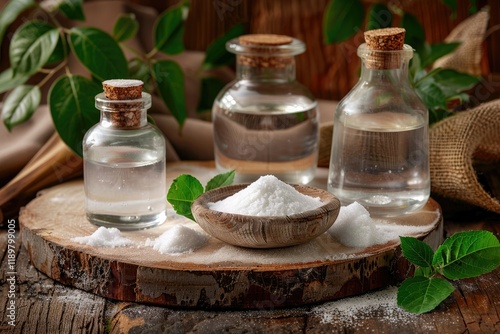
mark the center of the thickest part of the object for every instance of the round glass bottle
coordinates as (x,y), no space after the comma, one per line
(380,138)
(124,166)
(265,122)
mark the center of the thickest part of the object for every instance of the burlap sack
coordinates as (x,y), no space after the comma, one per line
(458,145)
(470,33)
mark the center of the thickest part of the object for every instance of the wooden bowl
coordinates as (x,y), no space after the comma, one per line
(265,231)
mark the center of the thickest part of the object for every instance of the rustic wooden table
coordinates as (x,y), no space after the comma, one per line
(30,302)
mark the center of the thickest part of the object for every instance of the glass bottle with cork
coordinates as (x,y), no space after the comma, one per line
(124,160)
(380,139)
(265,122)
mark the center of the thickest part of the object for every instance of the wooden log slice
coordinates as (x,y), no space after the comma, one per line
(215,276)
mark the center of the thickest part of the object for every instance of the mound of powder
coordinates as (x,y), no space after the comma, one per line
(268,196)
(354,226)
(104,237)
(178,240)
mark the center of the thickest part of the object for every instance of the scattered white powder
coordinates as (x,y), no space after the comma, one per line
(178,240)
(355,228)
(352,311)
(104,237)
(268,196)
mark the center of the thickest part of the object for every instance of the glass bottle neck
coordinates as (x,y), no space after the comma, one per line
(266,68)
(123,114)
(396,74)
(390,66)
(124,119)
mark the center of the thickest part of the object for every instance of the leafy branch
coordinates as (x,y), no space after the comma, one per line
(42,48)
(440,90)
(186,188)
(463,255)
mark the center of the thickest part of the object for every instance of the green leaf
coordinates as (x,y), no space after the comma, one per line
(126,27)
(424,271)
(60,52)
(169,30)
(31,46)
(415,33)
(468,254)
(473,7)
(182,193)
(379,17)
(216,54)
(151,120)
(221,180)
(452,82)
(99,53)
(11,11)
(20,105)
(431,94)
(416,251)
(170,82)
(342,20)
(72,9)
(433,52)
(72,106)
(209,89)
(9,80)
(420,294)
(137,69)
(416,70)
(453,5)
(436,115)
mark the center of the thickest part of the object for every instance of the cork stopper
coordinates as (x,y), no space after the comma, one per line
(124,114)
(386,39)
(266,50)
(265,39)
(123,89)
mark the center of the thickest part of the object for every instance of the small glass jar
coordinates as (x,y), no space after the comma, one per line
(124,166)
(265,122)
(380,138)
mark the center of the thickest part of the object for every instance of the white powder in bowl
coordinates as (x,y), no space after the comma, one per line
(268,196)
(178,240)
(104,237)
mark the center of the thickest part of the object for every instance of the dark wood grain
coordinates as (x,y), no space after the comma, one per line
(45,306)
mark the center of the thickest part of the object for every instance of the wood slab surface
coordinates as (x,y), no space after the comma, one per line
(217,275)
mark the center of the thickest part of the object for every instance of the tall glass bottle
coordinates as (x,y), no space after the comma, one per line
(380,138)
(124,162)
(265,122)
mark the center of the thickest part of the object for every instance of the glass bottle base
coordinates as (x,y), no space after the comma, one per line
(384,205)
(127,222)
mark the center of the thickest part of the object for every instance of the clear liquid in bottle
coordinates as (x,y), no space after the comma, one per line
(128,187)
(124,160)
(267,139)
(380,162)
(265,121)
